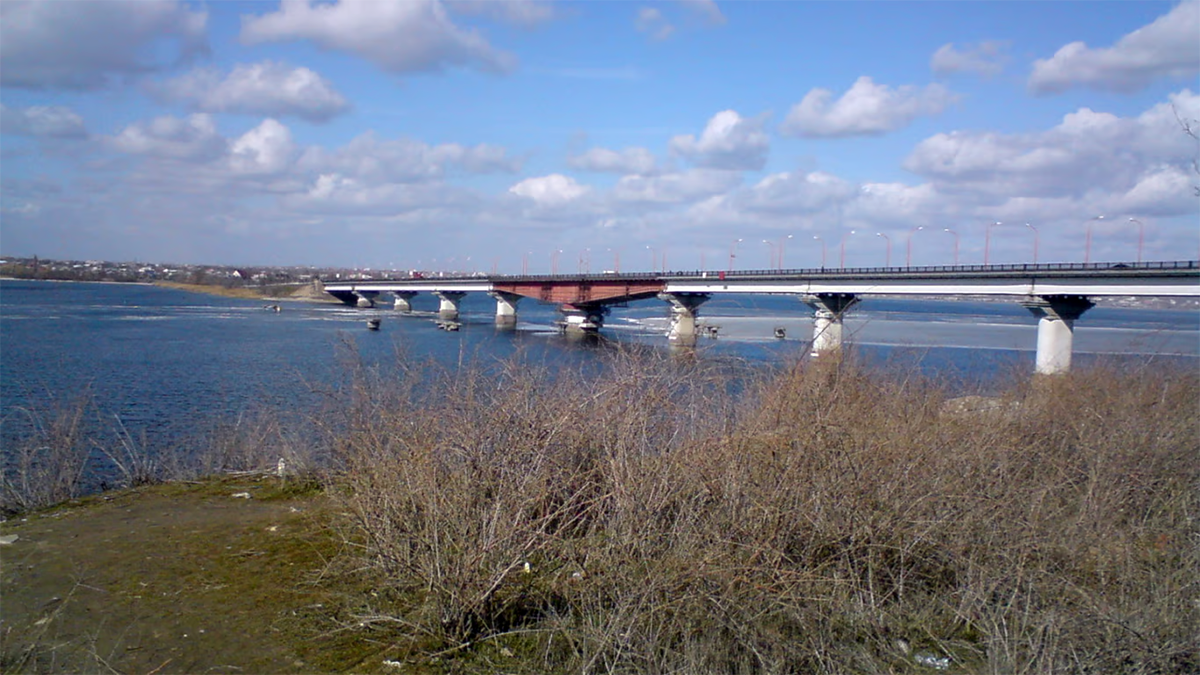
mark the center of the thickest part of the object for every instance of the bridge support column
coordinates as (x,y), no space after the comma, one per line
(829,308)
(1056,329)
(579,321)
(448,305)
(403,300)
(684,310)
(366,299)
(506,308)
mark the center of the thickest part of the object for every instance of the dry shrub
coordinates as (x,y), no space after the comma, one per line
(48,462)
(657,516)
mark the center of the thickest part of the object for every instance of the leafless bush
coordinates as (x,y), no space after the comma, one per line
(659,517)
(48,462)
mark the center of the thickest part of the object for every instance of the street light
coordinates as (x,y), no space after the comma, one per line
(908,246)
(653,258)
(842,260)
(771,265)
(733,252)
(782,241)
(1036,236)
(616,259)
(817,237)
(1087,248)
(987,239)
(888,239)
(955,243)
(1141,236)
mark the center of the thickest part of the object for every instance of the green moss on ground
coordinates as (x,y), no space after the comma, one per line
(182,577)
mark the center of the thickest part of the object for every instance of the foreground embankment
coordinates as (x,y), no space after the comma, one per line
(660,518)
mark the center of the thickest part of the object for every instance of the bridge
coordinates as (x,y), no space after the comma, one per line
(1057,294)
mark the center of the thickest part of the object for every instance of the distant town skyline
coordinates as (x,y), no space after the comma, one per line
(539,135)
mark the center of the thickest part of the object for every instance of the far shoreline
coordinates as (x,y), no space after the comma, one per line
(239,293)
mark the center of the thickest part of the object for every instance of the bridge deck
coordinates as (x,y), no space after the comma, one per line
(1181,278)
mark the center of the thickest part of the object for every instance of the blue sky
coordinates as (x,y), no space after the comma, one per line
(571,136)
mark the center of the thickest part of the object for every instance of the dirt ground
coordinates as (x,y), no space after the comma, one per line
(228,576)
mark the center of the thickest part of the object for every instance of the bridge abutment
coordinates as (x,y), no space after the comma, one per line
(506,308)
(684,310)
(403,301)
(448,304)
(1056,329)
(828,309)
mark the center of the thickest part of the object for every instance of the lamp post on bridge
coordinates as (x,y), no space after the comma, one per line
(817,237)
(616,259)
(888,259)
(1141,236)
(987,240)
(1036,237)
(1087,247)
(771,244)
(955,244)
(554,261)
(782,241)
(842,258)
(908,246)
(733,252)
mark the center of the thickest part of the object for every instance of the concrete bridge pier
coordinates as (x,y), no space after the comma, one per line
(581,320)
(1056,329)
(506,308)
(684,310)
(448,304)
(828,308)
(366,299)
(403,300)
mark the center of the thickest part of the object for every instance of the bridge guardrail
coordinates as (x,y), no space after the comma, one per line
(1181,265)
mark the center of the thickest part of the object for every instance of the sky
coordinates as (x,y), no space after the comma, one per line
(548,136)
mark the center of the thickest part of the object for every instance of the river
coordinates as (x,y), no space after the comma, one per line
(166,362)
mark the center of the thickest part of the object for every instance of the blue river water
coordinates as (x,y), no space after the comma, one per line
(166,362)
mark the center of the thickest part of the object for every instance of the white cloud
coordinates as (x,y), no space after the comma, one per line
(1168,47)
(194,138)
(652,22)
(267,89)
(798,193)
(893,203)
(265,149)
(675,188)
(403,160)
(1159,191)
(553,190)
(628,161)
(729,141)
(43,121)
(85,44)
(986,59)
(517,12)
(399,37)
(705,8)
(866,109)
(1088,151)
(333,193)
